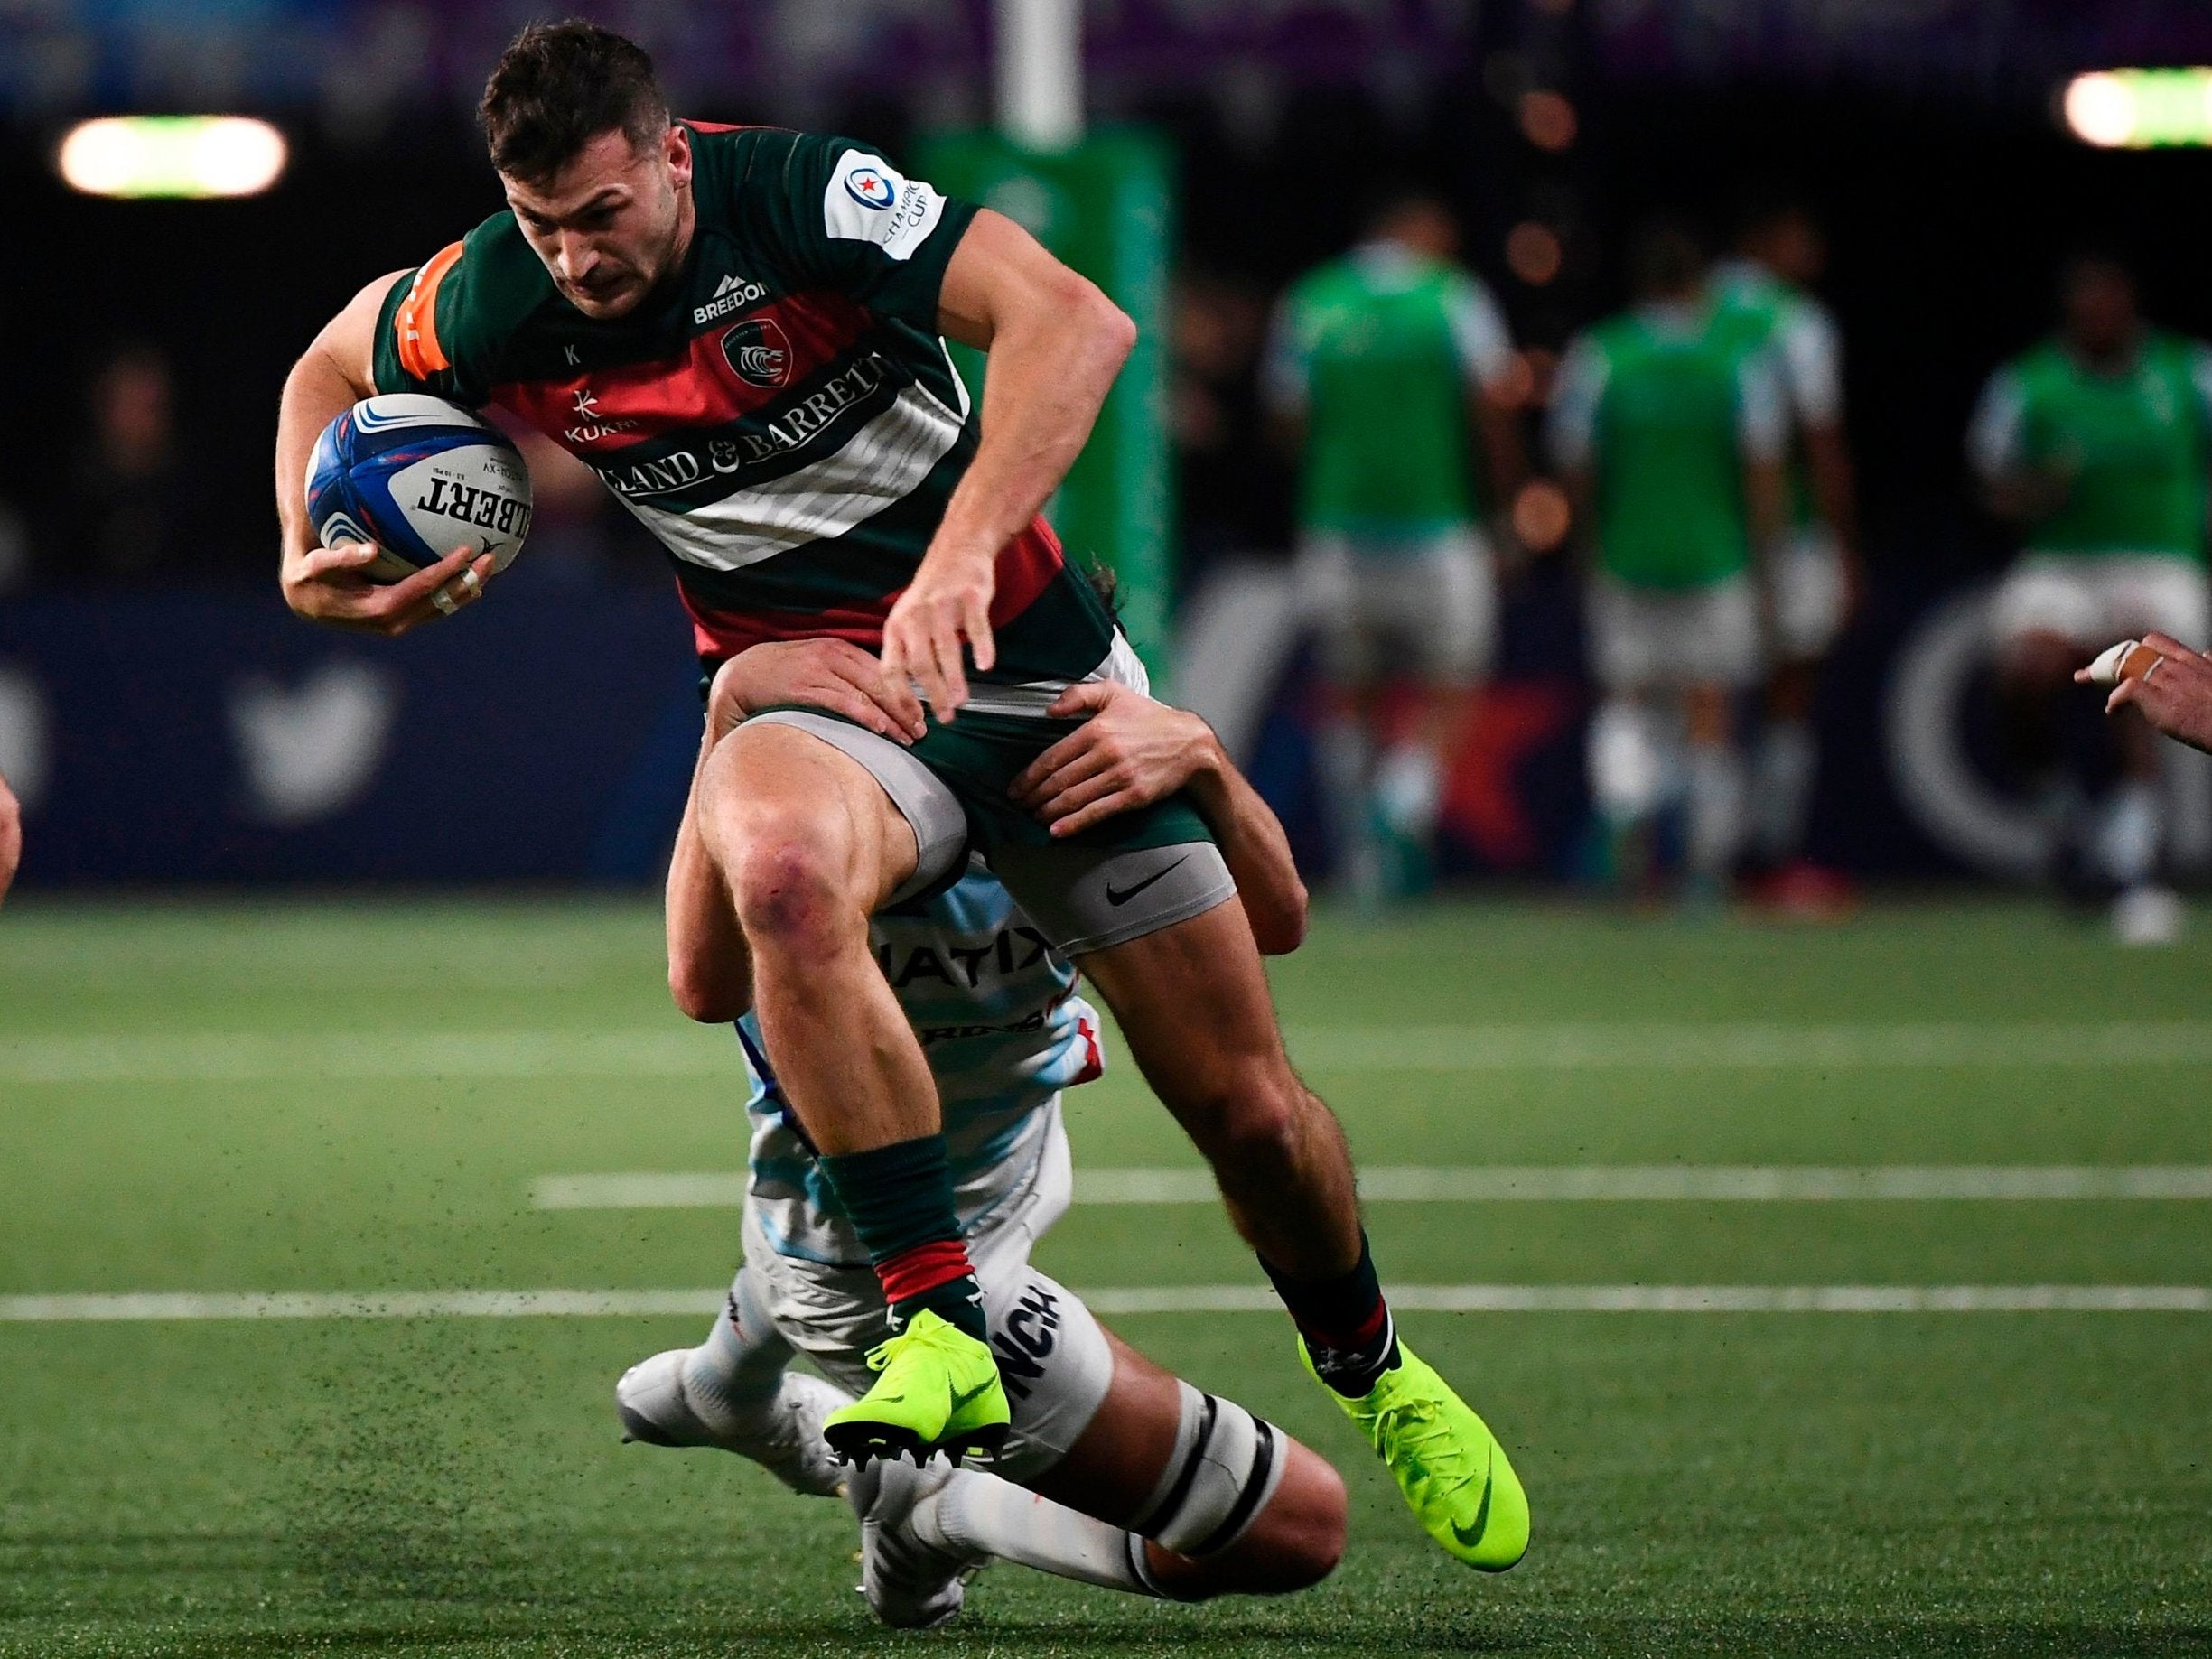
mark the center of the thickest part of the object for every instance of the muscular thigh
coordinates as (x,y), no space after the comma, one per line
(778,785)
(1193,1006)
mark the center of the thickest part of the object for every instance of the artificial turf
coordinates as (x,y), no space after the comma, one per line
(1997,1483)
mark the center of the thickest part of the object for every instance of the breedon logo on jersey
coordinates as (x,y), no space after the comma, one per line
(757,352)
(870,188)
(731,294)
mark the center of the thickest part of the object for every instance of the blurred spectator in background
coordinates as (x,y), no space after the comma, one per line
(2094,446)
(1670,437)
(1388,370)
(1229,481)
(125,516)
(1762,295)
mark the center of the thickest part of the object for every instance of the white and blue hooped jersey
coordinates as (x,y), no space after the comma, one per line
(1003,1031)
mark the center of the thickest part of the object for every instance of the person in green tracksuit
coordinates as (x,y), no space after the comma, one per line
(1392,374)
(2094,446)
(1669,435)
(1763,293)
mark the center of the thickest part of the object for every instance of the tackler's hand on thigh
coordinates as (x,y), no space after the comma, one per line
(1129,752)
(831,674)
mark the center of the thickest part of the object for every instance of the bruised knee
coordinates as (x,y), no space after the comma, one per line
(790,887)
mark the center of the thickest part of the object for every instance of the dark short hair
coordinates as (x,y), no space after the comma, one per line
(1666,255)
(559,85)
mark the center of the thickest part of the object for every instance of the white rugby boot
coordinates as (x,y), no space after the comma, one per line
(782,1433)
(911,1585)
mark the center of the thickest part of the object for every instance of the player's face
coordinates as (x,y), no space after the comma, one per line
(2100,309)
(611,223)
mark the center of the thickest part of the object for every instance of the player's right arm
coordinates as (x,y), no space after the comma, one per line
(325,584)
(1571,433)
(1131,751)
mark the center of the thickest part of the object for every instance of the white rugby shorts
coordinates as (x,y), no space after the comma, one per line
(1052,1354)
(2095,600)
(1651,640)
(1427,605)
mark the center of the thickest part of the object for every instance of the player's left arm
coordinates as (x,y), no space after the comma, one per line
(1761,433)
(1131,751)
(1813,352)
(1054,345)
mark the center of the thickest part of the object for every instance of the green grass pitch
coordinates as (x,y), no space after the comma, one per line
(1712,1482)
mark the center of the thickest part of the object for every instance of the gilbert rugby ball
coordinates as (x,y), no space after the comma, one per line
(421,477)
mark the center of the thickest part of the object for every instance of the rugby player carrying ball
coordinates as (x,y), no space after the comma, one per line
(739,330)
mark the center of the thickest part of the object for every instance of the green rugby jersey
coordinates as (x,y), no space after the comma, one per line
(1376,353)
(782,416)
(2131,446)
(1663,410)
(1765,314)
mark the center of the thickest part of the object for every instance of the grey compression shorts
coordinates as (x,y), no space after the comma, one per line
(1082,898)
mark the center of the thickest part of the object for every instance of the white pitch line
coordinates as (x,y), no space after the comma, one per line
(676,1051)
(1505,1183)
(143,1306)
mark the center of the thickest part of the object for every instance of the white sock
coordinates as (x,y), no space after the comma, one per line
(740,1366)
(1715,810)
(1632,768)
(982,1515)
(1782,773)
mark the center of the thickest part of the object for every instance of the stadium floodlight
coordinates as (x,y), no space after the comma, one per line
(2140,109)
(188,157)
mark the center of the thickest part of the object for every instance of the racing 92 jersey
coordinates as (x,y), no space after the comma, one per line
(1003,1031)
(780,414)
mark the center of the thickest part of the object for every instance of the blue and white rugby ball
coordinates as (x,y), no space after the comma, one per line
(421,477)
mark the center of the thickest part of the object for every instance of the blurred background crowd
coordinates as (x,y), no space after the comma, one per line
(1675,446)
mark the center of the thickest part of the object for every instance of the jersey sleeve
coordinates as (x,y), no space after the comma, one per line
(1995,437)
(2200,375)
(423,340)
(1479,338)
(843,219)
(1762,408)
(1570,431)
(1813,356)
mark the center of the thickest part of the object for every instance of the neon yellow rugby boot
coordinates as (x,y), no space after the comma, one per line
(937,1389)
(1453,1471)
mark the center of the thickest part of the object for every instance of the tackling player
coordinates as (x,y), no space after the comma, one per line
(1763,296)
(1143,1483)
(1390,372)
(738,329)
(1670,439)
(2094,444)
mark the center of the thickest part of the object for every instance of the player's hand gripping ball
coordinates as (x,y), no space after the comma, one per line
(421,477)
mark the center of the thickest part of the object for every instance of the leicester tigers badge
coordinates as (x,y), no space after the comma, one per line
(757,352)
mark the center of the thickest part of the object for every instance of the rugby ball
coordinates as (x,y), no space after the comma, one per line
(421,477)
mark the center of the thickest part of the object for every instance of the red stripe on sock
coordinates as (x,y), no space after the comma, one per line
(917,1272)
(1351,1341)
